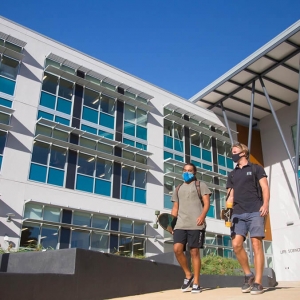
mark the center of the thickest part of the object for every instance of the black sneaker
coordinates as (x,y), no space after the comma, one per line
(196,288)
(247,286)
(187,283)
(257,289)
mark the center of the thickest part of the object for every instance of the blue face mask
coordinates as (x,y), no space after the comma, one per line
(187,176)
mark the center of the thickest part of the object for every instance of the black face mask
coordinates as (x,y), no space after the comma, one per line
(236,157)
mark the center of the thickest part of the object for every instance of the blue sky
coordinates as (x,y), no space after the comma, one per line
(179,45)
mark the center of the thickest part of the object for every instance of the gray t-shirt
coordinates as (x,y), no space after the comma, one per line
(190,207)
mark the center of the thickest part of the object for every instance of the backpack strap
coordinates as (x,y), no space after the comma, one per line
(177,190)
(197,184)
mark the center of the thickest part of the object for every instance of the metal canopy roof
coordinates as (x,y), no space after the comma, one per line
(276,63)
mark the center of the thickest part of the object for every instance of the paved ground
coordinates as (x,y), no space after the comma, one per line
(284,291)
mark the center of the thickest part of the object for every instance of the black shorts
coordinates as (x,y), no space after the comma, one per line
(195,238)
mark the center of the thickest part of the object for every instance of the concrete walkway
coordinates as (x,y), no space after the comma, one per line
(284,291)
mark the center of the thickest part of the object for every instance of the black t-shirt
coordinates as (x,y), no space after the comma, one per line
(246,199)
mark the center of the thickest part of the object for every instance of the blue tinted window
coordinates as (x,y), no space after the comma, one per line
(167,202)
(207,167)
(140,196)
(178,145)
(106,134)
(196,163)
(167,155)
(5,102)
(141,132)
(107,121)
(1,157)
(102,187)
(195,151)
(179,158)
(128,142)
(84,183)
(206,155)
(56,177)
(141,146)
(2,141)
(223,172)
(229,163)
(64,106)
(90,115)
(168,142)
(129,128)
(42,114)
(89,129)
(211,212)
(7,86)
(221,160)
(37,173)
(62,120)
(227,241)
(127,193)
(48,100)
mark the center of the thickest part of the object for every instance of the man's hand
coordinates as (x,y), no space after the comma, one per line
(200,220)
(264,210)
(170,229)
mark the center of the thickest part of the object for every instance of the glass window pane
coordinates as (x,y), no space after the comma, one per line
(102,187)
(139,227)
(65,89)
(179,158)
(207,167)
(44,130)
(91,98)
(211,212)
(195,138)
(106,134)
(206,141)
(104,148)
(128,142)
(13,47)
(58,157)
(140,178)
(56,177)
(60,135)
(141,146)
(80,239)
(92,79)
(86,164)
(5,102)
(126,226)
(64,106)
(141,117)
(2,141)
(128,155)
(108,86)
(167,155)
(178,145)
(229,163)
(90,115)
(9,67)
(195,151)
(48,100)
(101,222)
(89,129)
(7,86)
(206,155)
(4,118)
(99,242)
(268,247)
(221,147)
(125,245)
(168,185)
(168,125)
(140,196)
(42,114)
(221,160)
(141,99)
(168,142)
(103,168)
(53,63)
(40,153)
(127,193)
(168,204)
(129,128)
(138,247)
(107,105)
(49,237)
(81,219)
(141,159)
(227,241)
(51,214)
(107,121)
(84,183)
(130,95)
(88,143)
(49,83)
(141,132)
(37,173)
(168,168)
(129,113)
(127,175)
(30,235)
(178,131)
(33,211)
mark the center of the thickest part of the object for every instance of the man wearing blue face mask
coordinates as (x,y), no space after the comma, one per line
(191,204)
(248,190)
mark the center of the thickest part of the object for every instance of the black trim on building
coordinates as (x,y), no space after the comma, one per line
(187,141)
(80,74)
(71,169)
(119,121)
(64,240)
(77,107)
(117,180)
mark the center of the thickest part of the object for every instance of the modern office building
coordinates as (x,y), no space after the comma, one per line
(90,153)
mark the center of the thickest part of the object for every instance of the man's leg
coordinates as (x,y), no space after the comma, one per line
(240,253)
(259,258)
(196,261)
(181,258)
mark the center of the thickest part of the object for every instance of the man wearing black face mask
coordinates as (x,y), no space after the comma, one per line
(249,210)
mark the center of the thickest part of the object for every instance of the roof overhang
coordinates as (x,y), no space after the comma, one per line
(276,63)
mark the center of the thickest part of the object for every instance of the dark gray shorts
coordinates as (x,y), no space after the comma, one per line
(195,238)
(251,223)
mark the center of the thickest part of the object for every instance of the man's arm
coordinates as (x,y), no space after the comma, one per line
(206,205)
(230,196)
(264,210)
(174,211)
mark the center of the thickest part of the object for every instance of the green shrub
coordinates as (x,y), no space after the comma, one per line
(217,265)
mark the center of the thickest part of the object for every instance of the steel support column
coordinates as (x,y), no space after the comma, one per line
(297,140)
(295,167)
(226,123)
(251,116)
